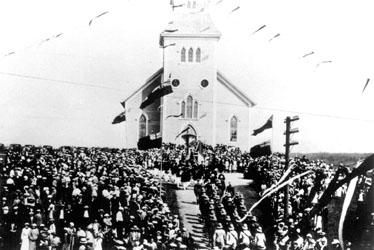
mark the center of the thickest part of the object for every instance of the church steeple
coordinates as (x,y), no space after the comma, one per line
(189,6)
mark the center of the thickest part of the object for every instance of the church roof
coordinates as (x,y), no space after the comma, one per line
(146,84)
(222,79)
(235,90)
(191,25)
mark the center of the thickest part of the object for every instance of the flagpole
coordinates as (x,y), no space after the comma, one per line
(272,135)
(162,109)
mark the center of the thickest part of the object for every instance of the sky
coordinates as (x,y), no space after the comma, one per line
(68,89)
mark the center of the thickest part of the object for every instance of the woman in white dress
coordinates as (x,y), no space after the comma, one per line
(25,237)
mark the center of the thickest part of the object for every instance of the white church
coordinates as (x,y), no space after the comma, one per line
(203,99)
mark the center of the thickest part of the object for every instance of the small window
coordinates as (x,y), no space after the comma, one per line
(234,129)
(189,107)
(194,5)
(183,109)
(183,55)
(195,109)
(175,83)
(198,55)
(204,83)
(142,126)
(190,55)
(189,4)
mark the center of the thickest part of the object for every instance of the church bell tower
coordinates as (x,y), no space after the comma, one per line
(189,62)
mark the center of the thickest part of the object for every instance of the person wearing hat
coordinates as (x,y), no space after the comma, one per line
(245,236)
(99,242)
(33,236)
(25,237)
(231,237)
(82,244)
(321,241)
(69,237)
(335,244)
(259,239)
(134,235)
(44,239)
(219,236)
(309,243)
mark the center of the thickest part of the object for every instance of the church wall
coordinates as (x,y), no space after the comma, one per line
(228,105)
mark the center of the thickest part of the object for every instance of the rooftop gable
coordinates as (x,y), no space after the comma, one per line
(149,81)
(235,90)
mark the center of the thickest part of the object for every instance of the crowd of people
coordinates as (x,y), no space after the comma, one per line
(97,198)
(84,198)
(231,226)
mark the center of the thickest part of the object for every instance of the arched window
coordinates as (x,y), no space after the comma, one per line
(195,109)
(189,107)
(234,129)
(198,55)
(183,55)
(142,126)
(189,4)
(194,5)
(183,109)
(190,55)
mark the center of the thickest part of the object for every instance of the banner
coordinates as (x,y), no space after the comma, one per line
(146,142)
(262,149)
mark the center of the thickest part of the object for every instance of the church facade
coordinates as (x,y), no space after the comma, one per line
(204,103)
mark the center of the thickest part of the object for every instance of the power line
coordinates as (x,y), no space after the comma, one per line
(62,81)
(316,114)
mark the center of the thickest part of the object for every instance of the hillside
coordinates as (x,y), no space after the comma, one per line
(348,159)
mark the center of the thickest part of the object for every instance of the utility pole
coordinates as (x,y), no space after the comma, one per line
(289,143)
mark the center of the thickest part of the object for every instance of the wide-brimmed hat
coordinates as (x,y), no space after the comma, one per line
(321,233)
(335,241)
(219,226)
(245,226)
(259,229)
(231,227)
(135,228)
(83,241)
(173,244)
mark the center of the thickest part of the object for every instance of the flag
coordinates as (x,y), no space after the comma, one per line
(260,149)
(184,130)
(175,116)
(200,156)
(268,124)
(120,118)
(366,84)
(123,104)
(158,92)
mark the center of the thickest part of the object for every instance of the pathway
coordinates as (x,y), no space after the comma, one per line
(189,210)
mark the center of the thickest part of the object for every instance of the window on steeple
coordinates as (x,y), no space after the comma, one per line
(198,55)
(190,55)
(183,109)
(189,107)
(183,55)
(195,109)
(194,5)
(189,4)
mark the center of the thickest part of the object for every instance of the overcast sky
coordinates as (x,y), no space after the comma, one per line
(67,90)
